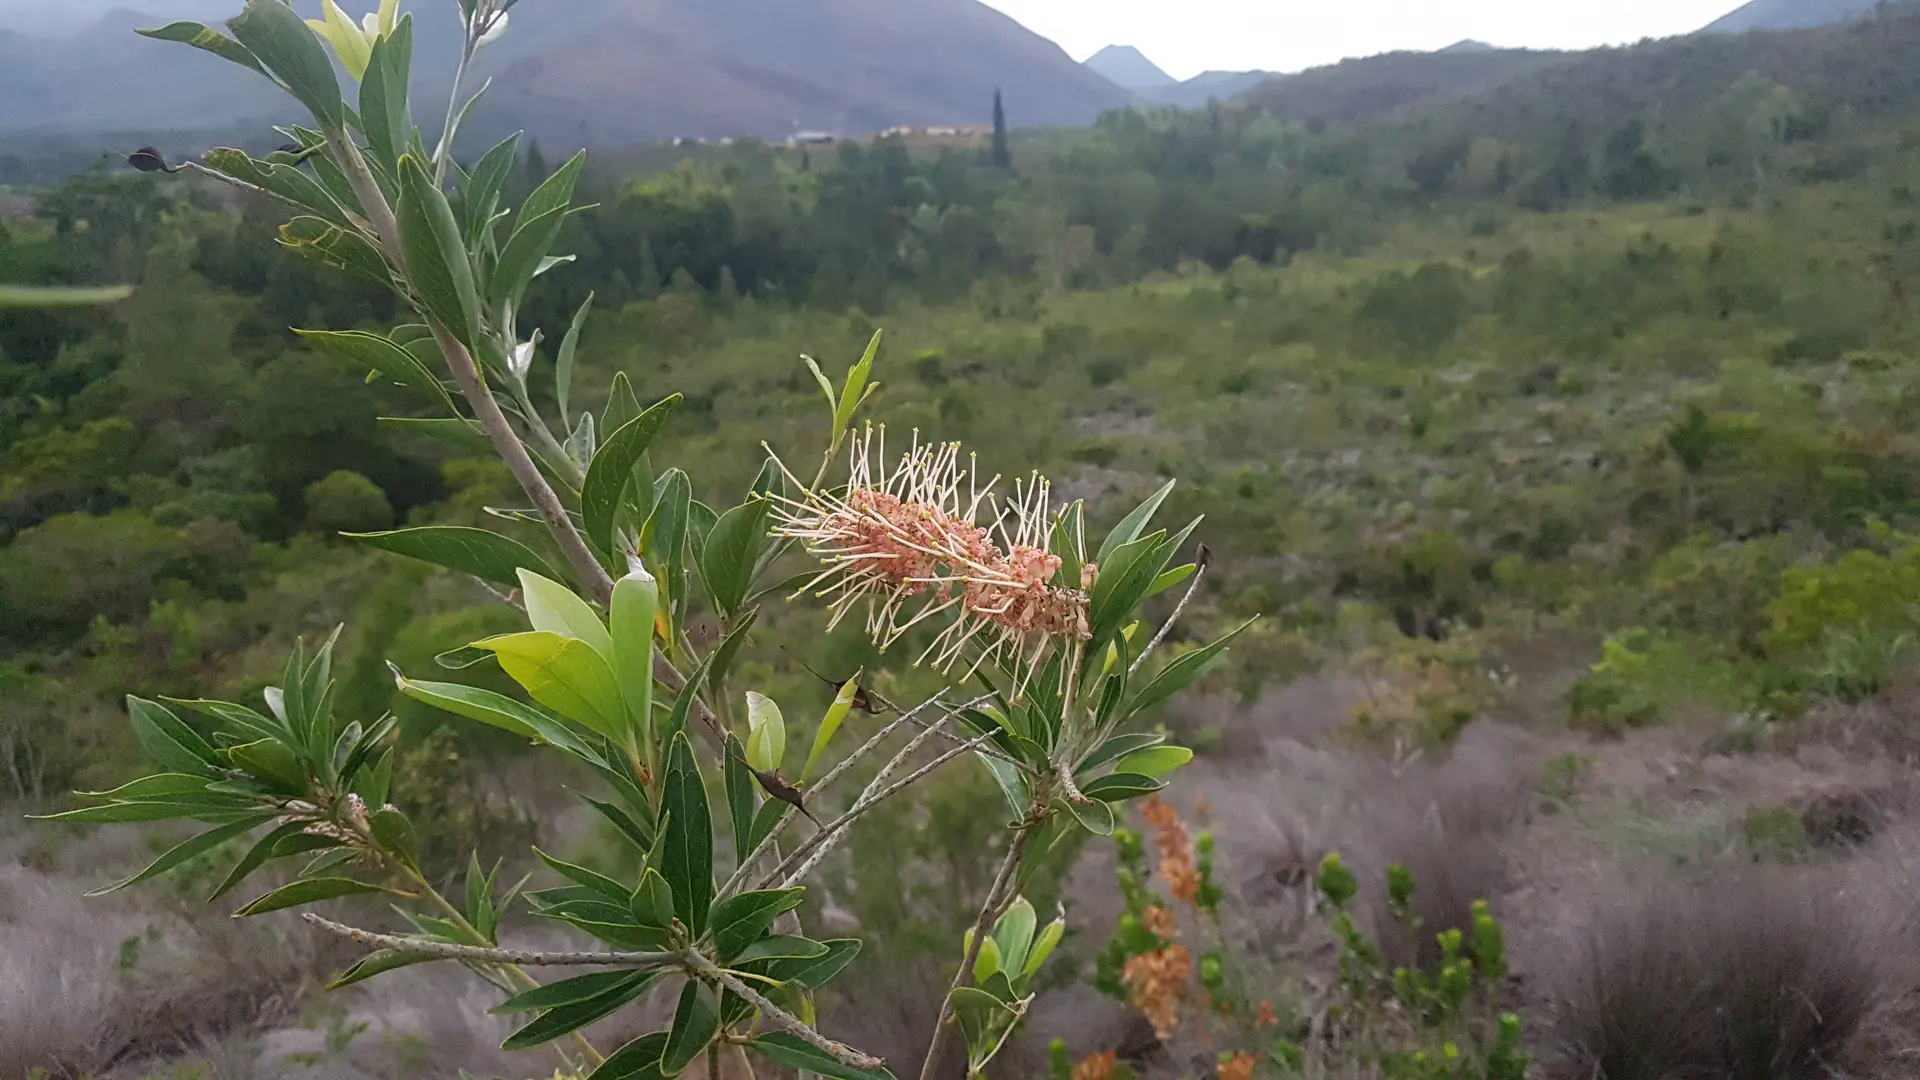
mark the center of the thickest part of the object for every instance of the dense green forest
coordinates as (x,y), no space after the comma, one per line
(1619,353)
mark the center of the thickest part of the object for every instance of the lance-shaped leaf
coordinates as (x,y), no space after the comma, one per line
(307,891)
(739,920)
(1184,671)
(282,43)
(695,1024)
(556,609)
(1132,525)
(638,1060)
(383,356)
(687,854)
(181,853)
(168,740)
(731,550)
(572,1017)
(613,466)
(486,555)
(1119,787)
(790,1051)
(494,710)
(204,37)
(436,253)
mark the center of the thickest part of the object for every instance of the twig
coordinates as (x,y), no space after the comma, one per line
(1199,573)
(989,911)
(476,955)
(838,826)
(508,445)
(740,872)
(779,1017)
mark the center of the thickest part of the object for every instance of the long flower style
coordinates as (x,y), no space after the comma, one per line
(908,543)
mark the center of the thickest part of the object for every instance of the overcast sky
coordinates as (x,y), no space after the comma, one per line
(1186,37)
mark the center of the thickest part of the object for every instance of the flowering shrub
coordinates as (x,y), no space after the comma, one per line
(1041,625)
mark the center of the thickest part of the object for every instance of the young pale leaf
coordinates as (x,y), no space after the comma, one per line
(570,1018)
(1043,947)
(652,900)
(766,733)
(1118,747)
(790,1051)
(1184,671)
(739,920)
(306,891)
(204,37)
(564,674)
(1132,525)
(183,852)
(554,608)
(638,1060)
(826,387)
(486,555)
(1171,578)
(282,43)
(1013,933)
(830,724)
(687,857)
(436,253)
(731,550)
(695,1024)
(631,621)
(613,466)
(986,962)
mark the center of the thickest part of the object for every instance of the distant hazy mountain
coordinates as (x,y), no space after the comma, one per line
(1790,15)
(1469,46)
(1124,66)
(1381,84)
(596,72)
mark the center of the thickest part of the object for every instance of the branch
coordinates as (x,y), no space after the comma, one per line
(988,912)
(837,828)
(1206,557)
(476,955)
(500,432)
(779,1017)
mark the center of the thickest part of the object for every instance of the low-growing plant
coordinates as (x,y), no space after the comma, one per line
(1006,596)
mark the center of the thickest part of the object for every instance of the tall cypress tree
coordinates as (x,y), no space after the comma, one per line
(1002,154)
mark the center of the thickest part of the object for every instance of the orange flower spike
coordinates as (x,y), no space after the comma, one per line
(1237,1067)
(1097,1066)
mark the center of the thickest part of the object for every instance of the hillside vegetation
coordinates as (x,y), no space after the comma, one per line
(1587,400)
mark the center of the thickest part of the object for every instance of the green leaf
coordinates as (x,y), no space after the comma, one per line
(622,404)
(1185,671)
(482,190)
(150,810)
(286,181)
(589,879)
(855,389)
(281,41)
(1118,747)
(331,245)
(520,260)
(1171,578)
(563,364)
(1043,947)
(436,254)
(564,674)
(564,992)
(383,356)
(570,1018)
(1132,525)
(771,813)
(306,891)
(613,466)
(494,710)
(683,702)
(739,920)
(394,833)
(168,740)
(638,1060)
(1119,787)
(720,661)
(766,733)
(1124,579)
(384,119)
(554,193)
(830,724)
(272,762)
(376,963)
(695,1024)
(204,37)
(1155,761)
(632,620)
(1007,777)
(183,852)
(652,899)
(687,858)
(1013,933)
(554,608)
(826,387)
(781,947)
(986,962)
(740,797)
(791,1051)
(258,854)
(816,973)
(732,548)
(486,555)
(1095,817)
